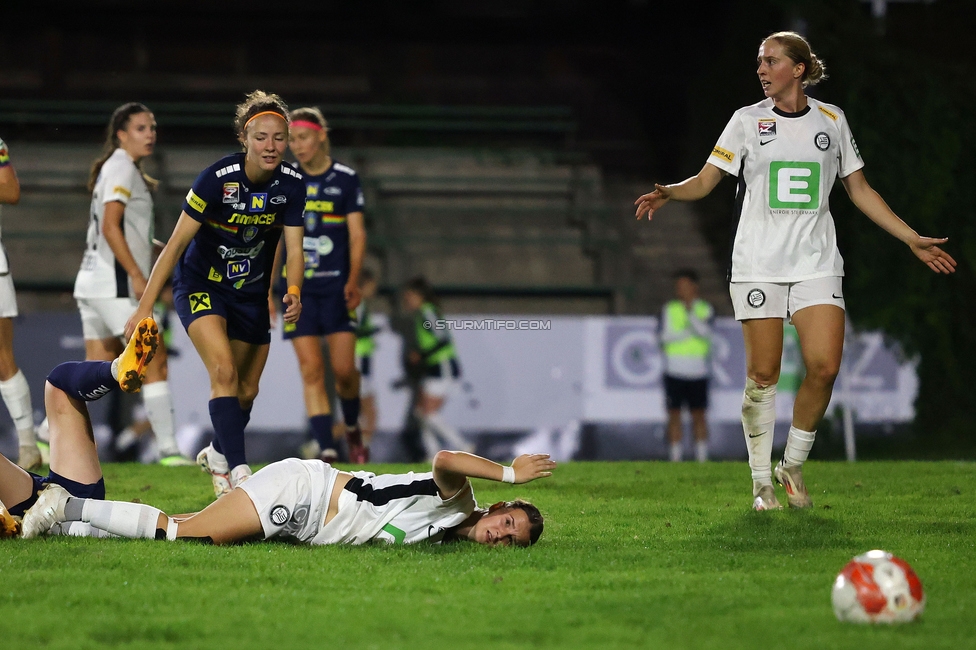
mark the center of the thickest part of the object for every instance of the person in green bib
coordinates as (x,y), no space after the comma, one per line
(365,346)
(432,349)
(686,339)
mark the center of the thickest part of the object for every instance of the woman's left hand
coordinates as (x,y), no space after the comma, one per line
(927,250)
(293,307)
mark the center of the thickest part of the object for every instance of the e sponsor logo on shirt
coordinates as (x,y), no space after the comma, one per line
(794,185)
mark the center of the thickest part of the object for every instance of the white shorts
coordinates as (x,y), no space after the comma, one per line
(442,379)
(364,366)
(8,297)
(292,497)
(105,318)
(783,299)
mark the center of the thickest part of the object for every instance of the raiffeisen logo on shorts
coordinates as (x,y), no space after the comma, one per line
(794,185)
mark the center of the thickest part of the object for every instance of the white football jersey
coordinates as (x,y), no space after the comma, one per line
(101,276)
(786,164)
(395,508)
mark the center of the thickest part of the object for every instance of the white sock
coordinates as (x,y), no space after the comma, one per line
(78,529)
(133,520)
(701,451)
(159,412)
(758,422)
(798,446)
(16,395)
(217,461)
(676,452)
(448,433)
(429,437)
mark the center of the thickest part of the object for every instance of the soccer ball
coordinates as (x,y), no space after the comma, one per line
(877,587)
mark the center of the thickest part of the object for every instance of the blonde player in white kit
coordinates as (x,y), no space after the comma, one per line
(786,152)
(311,502)
(118,258)
(13,385)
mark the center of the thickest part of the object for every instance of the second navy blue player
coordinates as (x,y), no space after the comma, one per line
(222,252)
(334,246)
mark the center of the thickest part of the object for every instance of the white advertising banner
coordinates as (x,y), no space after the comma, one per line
(524,373)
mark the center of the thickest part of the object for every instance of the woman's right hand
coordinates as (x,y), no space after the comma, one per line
(134,319)
(529,467)
(649,203)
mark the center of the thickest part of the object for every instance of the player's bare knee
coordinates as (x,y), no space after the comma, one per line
(246,396)
(764,378)
(346,378)
(313,374)
(223,375)
(822,373)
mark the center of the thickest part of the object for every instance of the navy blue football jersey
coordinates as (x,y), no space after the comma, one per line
(241,224)
(330,197)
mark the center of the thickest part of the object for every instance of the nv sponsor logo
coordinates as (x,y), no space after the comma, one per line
(794,185)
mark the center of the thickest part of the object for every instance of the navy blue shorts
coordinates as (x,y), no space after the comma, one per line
(322,314)
(692,393)
(247,316)
(75,489)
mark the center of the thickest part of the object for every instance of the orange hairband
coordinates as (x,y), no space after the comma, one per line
(257,115)
(307,124)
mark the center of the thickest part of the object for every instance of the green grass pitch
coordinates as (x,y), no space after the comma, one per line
(650,555)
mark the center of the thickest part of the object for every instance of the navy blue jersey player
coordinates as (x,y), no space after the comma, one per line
(222,251)
(334,245)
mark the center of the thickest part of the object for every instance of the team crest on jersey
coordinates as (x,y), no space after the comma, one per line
(312,189)
(232,192)
(250,233)
(767,128)
(258,202)
(756,298)
(279,515)
(822,140)
(238,268)
(310,221)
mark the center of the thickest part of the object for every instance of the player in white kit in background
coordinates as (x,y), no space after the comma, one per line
(118,258)
(13,385)
(786,152)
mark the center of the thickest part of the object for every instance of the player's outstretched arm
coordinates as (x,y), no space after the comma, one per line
(691,189)
(871,204)
(453,468)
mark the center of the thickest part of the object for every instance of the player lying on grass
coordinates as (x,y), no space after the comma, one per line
(311,502)
(74,458)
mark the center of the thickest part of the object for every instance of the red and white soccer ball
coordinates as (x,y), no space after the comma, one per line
(877,587)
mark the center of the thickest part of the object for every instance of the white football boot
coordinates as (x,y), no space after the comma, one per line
(239,474)
(791,478)
(46,511)
(764,498)
(216,465)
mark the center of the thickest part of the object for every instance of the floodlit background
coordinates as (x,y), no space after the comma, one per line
(501,146)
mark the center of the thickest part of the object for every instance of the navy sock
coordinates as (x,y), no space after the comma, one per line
(228,423)
(321,426)
(247,415)
(350,411)
(84,380)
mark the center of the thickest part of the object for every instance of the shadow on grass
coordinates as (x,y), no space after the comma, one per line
(777,532)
